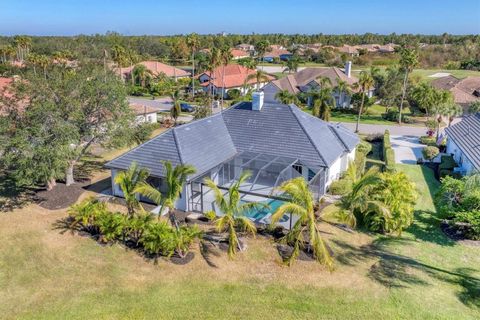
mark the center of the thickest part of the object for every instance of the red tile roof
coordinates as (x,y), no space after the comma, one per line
(157,67)
(237,53)
(463,90)
(276,53)
(235,76)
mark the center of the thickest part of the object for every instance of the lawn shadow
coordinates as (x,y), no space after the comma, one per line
(397,271)
(13,196)
(426,227)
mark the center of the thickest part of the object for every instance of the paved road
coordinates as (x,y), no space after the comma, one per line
(161,104)
(394,130)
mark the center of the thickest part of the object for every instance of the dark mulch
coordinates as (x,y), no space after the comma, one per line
(285,251)
(61,196)
(455,234)
(175,259)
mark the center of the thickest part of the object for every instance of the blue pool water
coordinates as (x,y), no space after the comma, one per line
(258,214)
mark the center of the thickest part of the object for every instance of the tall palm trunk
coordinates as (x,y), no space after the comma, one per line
(193,75)
(360,111)
(403,97)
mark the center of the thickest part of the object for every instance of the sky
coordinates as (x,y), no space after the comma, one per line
(161,17)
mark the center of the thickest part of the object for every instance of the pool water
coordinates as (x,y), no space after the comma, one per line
(259,214)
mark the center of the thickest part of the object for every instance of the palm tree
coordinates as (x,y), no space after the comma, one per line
(43,61)
(193,42)
(175,179)
(259,76)
(285,97)
(23,44)
(262,47)
(33,60)
(213,63)
(301,204)
(342,87)
(119,56)
(453,111)
(233,212)
(142,73)
(175,110)
(7,53)
(359,201)
(128,181)
(225,57)
(408,61)
(323,101)
(291,65)
(365,83)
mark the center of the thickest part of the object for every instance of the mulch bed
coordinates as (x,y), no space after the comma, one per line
(61,196)
(453,233)
(285,251)
(175,259)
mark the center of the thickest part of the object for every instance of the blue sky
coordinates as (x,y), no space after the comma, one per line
(70,17)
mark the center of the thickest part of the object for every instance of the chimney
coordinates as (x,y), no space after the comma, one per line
(348,68)
(257,100)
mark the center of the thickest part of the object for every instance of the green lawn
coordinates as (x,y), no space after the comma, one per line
(48,274)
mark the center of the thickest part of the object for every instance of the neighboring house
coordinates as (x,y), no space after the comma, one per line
(274,142)
(465,91)
(143,113)
(246,47)
(463,142)
(276,53)
(156,68)
(307,80)
(352,51)
(235,78)
(239,54)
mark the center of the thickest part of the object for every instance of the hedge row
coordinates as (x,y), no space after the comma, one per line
(388,153)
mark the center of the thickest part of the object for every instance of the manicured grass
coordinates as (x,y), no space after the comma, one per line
(424,74)
(46,273)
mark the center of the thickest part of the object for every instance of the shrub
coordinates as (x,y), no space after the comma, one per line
(471,219)
(340,187)
(393,115)
(158,239)
(430,152)
(233,94)
(388,153)
(364,147)
(85,214)
(428,140)
(111,226)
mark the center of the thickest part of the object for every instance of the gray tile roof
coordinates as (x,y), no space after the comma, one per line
(277,130)
(466,135)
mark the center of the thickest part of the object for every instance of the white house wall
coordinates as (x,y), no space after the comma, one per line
(460,158)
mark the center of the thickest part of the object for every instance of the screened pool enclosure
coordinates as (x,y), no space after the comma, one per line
(267,173)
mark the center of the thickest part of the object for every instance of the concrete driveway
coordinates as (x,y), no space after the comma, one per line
(407,149)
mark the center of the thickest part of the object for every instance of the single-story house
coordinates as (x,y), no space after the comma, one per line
(143,113)
(465,91)
(246,47)
(463,143)
(274,142)
(307,80)
(280,54)
(156,68)
(239,54)
(232,76)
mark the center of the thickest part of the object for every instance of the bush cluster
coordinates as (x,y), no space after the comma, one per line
(459,201)
(388,153)
(142,231)
(430,152)
(393,115)
(340,187)
(428,140)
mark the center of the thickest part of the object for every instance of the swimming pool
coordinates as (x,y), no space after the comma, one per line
(260,214)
